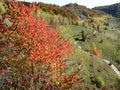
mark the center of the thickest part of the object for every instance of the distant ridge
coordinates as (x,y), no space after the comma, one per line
(82,11)
(113,9)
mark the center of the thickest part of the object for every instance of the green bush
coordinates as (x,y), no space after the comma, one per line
(2,9)
(100,82)
(66,32)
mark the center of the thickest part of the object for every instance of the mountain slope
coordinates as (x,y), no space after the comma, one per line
(82,11)
(54,10)
(113,9)
(90,18)
(91,68)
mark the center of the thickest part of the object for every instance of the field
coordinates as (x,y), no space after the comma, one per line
(93,66)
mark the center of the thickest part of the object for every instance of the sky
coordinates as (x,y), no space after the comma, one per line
(87,3)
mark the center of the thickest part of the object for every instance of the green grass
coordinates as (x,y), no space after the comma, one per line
(110,41)
(114,23)
(107,48)
(93,66)
(76,30)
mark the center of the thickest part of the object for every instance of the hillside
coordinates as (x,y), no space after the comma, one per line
(52,47)
(71,14)
(57,10)
(82,11)
(89,18)
(54,10)
(91,68)
(94,66)
(113,9)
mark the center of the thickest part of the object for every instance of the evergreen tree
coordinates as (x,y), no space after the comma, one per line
(84,35)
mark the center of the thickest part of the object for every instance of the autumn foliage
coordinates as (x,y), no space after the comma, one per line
(32,54)
(95,51)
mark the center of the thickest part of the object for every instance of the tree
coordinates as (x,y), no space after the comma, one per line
(84,35)
(33,51)
(94,50)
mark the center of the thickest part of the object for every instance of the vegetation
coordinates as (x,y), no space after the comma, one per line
(110,9)
(57,10)
(90,18)
(34,54)
(118,11)
(116,54)
(55,14)
(48,47)
(99,82)
(84,35)
(82,11)
(2,9)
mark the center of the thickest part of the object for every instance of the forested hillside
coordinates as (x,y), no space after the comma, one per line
(71,14)
(90,18)
(110,9)
(55,14)
(80,10)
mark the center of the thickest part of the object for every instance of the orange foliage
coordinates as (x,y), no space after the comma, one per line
(96,52)
(33,49)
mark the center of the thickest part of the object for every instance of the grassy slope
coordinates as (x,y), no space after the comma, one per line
(114,23)
(76,30)
(92,66)
(110,41)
